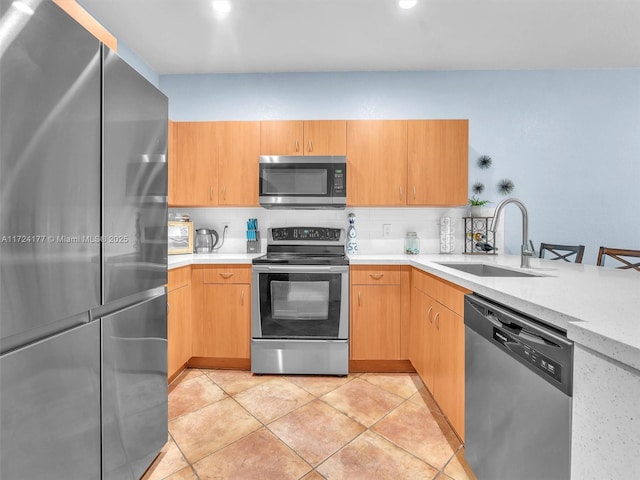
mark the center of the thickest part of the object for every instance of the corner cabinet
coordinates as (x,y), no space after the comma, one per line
(178,320)
(303,137)
(222,324)
(437,342)
(213,163)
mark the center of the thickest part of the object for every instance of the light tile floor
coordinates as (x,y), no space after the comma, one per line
(226,424)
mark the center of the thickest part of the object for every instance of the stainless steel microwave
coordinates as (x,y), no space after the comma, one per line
(314,182)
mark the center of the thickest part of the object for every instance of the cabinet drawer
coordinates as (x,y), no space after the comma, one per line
(227,274)
(178,277)
(375,275)
(448,294)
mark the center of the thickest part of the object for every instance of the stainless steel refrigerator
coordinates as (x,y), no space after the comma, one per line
(83,189)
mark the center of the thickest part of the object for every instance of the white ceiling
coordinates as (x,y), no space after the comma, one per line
(185,36)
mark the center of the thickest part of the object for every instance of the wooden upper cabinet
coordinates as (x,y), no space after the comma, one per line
(437,160)
(308,137)
(325,137)
(282,137)
(376,162)
(192,164)
(213,163)
(238,149)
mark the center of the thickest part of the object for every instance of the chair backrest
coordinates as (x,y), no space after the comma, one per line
(562,252)
(619,254)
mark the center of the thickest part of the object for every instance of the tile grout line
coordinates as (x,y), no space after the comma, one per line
(315,396)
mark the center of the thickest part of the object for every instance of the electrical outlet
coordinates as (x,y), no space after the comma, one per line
(386,230)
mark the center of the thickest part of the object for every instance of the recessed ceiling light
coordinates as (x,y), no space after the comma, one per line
(23,7)
(222,6)
(407,4)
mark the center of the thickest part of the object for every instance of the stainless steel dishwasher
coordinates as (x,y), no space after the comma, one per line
(518,389)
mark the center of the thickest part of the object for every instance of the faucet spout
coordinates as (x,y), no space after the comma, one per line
(525,252)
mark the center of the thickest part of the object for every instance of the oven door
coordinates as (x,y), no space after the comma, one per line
(300,302)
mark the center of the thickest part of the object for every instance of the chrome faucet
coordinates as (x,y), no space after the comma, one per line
(525,253)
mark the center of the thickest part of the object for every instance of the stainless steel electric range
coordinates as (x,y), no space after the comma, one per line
(300,303)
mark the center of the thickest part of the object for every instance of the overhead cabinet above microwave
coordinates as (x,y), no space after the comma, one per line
(303,137)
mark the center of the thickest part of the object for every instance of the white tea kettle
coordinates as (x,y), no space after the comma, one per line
(206,240)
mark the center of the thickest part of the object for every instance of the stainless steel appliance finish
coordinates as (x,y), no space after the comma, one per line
(518,389)
(206,240)
(300,303)
(76,268)
(305,182)
(134,312)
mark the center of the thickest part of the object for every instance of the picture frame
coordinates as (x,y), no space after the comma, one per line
(180,237)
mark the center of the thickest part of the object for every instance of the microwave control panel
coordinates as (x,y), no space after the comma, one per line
(339,181)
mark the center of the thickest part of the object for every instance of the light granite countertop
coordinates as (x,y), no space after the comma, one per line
(598,307)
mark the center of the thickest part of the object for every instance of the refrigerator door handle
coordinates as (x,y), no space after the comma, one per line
(126,302)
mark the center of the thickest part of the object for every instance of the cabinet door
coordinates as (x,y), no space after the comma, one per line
(281,137)
(449,377)
(226,322)
(178,329)
(325,137)
(438,159)
(193,164)
(375,322)
(377,162)
(238,149)
(418,330)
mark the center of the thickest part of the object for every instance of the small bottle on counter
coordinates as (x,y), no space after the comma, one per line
(352,235)
(412,243)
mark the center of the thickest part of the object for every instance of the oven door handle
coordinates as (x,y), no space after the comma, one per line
(301,268)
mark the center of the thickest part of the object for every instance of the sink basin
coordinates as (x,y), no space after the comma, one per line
(484,270)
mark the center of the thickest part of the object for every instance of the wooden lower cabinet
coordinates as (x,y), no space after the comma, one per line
(375,322)
(436,345)
(178,321)
(222,327)
(226,327)
(379,318)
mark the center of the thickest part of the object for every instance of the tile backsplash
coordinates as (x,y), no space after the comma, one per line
(369,224)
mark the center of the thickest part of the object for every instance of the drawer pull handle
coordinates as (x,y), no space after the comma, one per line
(242,297)
(376,276)
(438,320)
(429,314)
(226,275)
(359,298)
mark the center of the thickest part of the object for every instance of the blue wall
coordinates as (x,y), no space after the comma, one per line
(568,139)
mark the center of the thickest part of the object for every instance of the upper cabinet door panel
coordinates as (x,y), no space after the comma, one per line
(282,137)
(238,147)
(193,165)
(325,137)
(438,152)
(377,162)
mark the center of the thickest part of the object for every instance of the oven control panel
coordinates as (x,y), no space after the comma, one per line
(306,233)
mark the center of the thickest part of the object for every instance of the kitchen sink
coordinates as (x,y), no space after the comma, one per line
(484,270)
